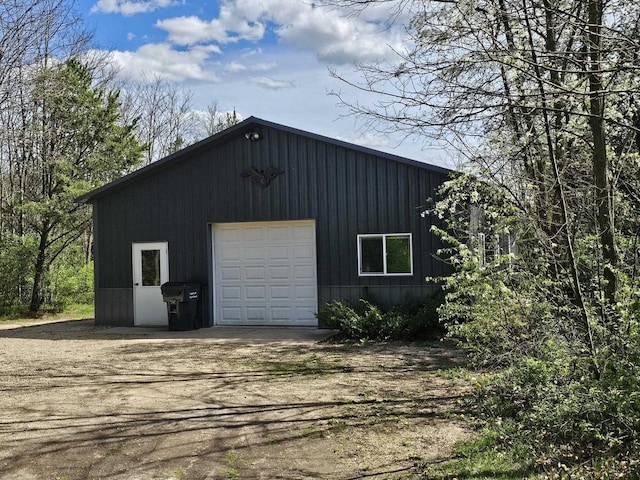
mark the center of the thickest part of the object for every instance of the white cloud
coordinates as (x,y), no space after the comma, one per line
(131,36)
(272,83)
(225,29)
(237,67)
(333,35)
(252,52)
(337,39)
(130,7)
(262,67)
(161,59)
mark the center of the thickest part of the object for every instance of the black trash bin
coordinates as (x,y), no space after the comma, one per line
(182,304)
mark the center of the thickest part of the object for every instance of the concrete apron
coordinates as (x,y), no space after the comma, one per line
(85,329)
(239,334)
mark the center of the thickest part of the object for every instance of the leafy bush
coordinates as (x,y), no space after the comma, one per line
(561,370)
(68,280)
(361,322)
(74,285)
(563,418)
(366,321)
(16,275)
(419,320)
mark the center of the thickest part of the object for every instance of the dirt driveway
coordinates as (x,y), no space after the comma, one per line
(78,402)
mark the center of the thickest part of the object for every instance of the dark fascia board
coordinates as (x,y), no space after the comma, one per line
(243,127)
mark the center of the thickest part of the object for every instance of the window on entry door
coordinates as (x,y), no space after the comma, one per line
(385,254)
(150,268)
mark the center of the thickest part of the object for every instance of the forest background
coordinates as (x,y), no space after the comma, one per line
(69,124)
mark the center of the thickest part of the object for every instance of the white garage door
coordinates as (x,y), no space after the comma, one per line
(265,273)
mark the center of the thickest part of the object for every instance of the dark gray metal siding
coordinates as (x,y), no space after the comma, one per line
(346,191)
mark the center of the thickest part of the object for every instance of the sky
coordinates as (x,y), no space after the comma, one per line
(264,58)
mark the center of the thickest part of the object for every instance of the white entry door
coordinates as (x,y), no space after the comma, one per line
(265,273)
(150,270)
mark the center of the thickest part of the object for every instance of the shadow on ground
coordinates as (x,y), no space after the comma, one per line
(79,401)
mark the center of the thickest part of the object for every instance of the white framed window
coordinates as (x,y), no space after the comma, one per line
(385,254)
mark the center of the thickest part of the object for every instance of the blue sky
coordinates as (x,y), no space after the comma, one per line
(266,58)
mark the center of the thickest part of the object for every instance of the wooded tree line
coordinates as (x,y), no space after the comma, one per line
(67,125)
(541,100)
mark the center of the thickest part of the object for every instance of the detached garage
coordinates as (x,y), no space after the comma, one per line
(271,221)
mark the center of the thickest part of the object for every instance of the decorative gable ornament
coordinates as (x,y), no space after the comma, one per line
(262,177)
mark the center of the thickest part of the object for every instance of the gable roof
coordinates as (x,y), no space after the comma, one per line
(240,128)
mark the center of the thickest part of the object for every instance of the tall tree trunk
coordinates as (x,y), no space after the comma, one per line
(564,229)
(604,199)
(38,272)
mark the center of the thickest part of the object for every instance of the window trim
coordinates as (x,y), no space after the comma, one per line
(384,236)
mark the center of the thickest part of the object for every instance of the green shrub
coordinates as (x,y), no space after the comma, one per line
(68,280)
(367,321)
(16,272)
(561,361)
(361,322)
(420,319)
(73,285)
(563,415)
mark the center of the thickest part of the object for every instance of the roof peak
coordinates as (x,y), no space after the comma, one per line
(240,128)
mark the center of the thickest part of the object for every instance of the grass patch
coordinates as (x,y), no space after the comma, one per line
(231,461)
(72,312)
(337,425)
(116,449)
(478,459)
(179,474)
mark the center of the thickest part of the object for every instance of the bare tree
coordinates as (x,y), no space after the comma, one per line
(33,33)
(541,96)
(163,111)
(214,120)
(41,161)
(528,91)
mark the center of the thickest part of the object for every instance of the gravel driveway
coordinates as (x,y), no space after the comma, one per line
(79,402)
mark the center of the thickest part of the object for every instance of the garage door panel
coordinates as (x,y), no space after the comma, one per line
(304,273)
(230,253)
(280,292)
(230,235)
(255,292)
(304,252)
(231,293)
(279,252)
(278,233)
(279,272)
(305,292)
(282,314)
(305,316)
(253,254)
(230,273)
(265,273)
(251,234)
(302,232)
(255,274)
(256,313)
(232,313)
